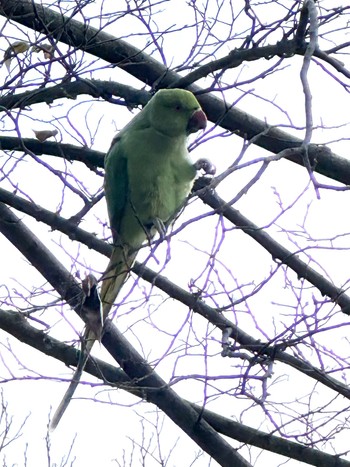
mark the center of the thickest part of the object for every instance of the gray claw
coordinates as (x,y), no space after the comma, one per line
(206,166)
(160,227)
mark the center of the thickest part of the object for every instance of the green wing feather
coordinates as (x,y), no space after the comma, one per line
(118,204)
(116,185)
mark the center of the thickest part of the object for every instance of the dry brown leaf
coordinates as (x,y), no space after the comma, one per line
(13,50)
(48,50)
(43,135)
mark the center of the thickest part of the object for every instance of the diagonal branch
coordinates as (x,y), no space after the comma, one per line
(55,221)
(39,256)
(180,411)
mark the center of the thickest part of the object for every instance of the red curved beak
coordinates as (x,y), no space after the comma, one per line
(197,121)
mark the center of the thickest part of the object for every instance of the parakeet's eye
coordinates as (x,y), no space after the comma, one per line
(178,107)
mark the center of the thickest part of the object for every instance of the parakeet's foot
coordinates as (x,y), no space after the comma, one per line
(206,166)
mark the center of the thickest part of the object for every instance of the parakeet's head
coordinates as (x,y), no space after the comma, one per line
(176,112)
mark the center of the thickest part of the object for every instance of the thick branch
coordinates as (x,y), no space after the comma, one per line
(39,256)
(334,166)
(73,89)
(55,221)
(66,151)
(284,48)
(180,411)
(151,72)
(76,34)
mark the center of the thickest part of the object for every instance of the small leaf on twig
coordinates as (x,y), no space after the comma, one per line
(13,50)
(43,135)
(48,50)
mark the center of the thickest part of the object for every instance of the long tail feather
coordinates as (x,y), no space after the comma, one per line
(72,386)
(118,268)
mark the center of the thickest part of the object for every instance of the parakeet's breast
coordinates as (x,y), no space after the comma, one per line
(160,175)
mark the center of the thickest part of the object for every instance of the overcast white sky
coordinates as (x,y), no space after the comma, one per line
(104,429)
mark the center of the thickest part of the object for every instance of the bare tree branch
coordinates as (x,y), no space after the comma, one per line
(18,326)
(272,351)
(55,221)
(151,72)
(90,157)
(239,317)
(278,252)
(72,89)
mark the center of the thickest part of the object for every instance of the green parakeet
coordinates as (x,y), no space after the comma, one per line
(148,176)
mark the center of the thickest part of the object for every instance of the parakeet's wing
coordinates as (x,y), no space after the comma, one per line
(116,192)
(116,186)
